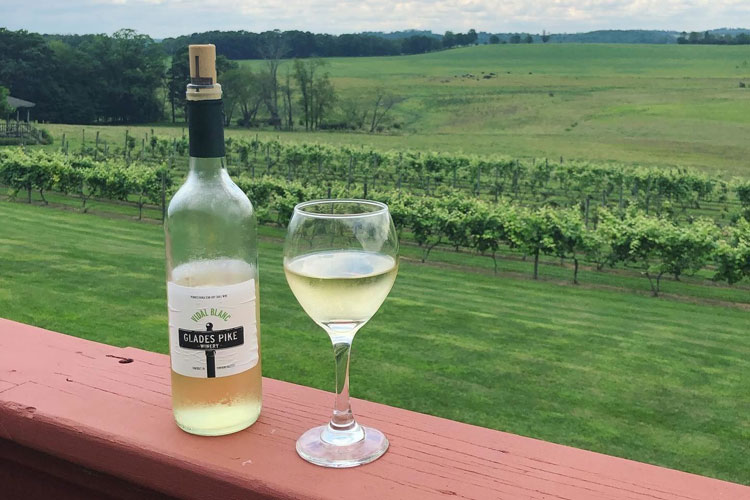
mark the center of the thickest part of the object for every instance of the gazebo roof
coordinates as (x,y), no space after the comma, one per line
(15,103)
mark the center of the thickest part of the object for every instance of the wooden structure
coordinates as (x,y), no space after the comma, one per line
(79,419)
(18,105)
(22,130)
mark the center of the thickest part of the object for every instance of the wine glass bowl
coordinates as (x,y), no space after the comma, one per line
(340,260)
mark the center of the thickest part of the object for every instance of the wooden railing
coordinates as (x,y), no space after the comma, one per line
(79,420)
(19,129)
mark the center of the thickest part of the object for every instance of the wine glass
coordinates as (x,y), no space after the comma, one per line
(340,260)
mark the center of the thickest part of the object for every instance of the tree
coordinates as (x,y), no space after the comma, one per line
(324,97)
(177,78)
(28,69)
(272,49)
(516,38)
(419,44)
(241,87)
(528,39)
(355,111)
(129,67)
(5,109)
(308,75)
(384,102)
(287,91)
(545,36)
(449,40)
(494,39)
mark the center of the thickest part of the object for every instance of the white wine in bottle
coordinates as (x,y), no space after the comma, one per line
(212,276)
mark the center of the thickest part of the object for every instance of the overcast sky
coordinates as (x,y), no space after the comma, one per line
(163,18)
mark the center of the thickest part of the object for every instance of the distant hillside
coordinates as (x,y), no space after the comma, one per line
(400,35)
(599,36)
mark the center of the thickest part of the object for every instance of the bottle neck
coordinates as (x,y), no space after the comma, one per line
(206,168)
(206,127)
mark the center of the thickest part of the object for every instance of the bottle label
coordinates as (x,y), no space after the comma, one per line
(213,331)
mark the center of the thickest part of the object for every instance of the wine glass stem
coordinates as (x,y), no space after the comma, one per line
(342,419)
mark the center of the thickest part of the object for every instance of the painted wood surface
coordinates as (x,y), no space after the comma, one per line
(103,413)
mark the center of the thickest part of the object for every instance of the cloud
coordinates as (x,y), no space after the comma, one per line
(173,17)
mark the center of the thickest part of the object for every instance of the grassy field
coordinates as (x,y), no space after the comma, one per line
(600,366)
(647,104)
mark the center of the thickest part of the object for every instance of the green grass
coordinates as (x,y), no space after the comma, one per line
(656,380)
(643,104)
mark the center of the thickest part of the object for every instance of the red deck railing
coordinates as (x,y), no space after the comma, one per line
(77,423)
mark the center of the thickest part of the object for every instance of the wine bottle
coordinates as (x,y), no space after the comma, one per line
(212,275)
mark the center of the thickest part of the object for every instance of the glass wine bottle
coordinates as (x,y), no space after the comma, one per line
(212,275)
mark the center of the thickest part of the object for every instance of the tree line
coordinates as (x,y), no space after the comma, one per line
(304,44)
(100,78)
(656,245)
(123,78)
(708,38)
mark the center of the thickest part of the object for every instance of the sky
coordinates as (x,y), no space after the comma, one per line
(165,18)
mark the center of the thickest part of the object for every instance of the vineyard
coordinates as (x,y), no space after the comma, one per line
(669,222)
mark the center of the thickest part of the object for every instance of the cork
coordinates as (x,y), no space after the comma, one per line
(203,84)
(202,64)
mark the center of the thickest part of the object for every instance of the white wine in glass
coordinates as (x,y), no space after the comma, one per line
(340,260)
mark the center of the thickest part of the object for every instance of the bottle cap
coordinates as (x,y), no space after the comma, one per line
(203,84)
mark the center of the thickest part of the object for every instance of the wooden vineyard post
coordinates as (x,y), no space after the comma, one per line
(497,186)
(62,145)
(479,178)
(83,141)
(351,166)
(164,191)
(96,147)
(400,172)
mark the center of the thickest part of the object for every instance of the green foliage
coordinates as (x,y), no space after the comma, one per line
(658,245)
(535,232)
(16,171)
(5,108)
(100,77)
(743,192)
(732,256)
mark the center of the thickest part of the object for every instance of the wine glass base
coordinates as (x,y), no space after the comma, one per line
(312,448)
